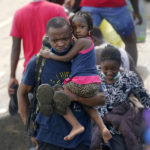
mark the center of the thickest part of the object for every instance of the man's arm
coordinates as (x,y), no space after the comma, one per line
(136,13)
(97,100)
(15,53)
(23,104)
(23,101)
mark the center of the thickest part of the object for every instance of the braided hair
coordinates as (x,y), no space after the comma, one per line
(86,15)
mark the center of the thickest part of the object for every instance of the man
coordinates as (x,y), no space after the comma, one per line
(51,130)
(29,26)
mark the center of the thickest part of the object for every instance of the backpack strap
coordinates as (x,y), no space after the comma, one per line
(34,107)
(40,62)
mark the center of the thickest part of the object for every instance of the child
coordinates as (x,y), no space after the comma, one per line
(84,80)
(100,44)
(118,85)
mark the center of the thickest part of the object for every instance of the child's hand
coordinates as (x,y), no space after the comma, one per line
(45,53)
(106,135)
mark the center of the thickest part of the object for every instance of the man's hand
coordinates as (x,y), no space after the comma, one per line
(11,81)
(136,12)
(138,17)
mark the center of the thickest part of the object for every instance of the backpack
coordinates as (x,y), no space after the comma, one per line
(34,106)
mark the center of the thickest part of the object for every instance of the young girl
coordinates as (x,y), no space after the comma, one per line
(84,80)
(118,86)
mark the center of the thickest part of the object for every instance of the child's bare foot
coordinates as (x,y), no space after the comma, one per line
(106,135)
(75,131)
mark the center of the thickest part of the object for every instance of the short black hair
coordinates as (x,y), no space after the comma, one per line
(86,15)
(96,32)
(110,52)
(57,22)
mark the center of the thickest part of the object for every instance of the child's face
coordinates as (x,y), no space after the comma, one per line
(60,38)
(80,27)
(110,68)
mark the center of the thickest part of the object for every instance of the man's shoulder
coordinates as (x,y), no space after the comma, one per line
(51,5)
(29,74)
(33,58)
(31,62)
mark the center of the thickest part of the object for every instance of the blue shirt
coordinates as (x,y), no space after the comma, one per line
(53,129)
(84,63)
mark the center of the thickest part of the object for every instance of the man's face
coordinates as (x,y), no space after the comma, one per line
(60,38)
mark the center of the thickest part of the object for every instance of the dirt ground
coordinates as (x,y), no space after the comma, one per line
(12,133)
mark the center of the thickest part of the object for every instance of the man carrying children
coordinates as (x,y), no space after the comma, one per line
(50,131)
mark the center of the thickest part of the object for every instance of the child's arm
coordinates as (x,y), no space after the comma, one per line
(79,45)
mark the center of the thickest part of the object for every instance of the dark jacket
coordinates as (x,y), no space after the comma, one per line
(126,119)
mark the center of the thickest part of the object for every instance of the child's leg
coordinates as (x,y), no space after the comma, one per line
(93,113)
(77,128)
(61,106)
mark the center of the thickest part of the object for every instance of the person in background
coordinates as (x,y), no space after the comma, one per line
(140,29)
(28,26)
(100,44)
(117,14)
(127,64)
(125,83)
